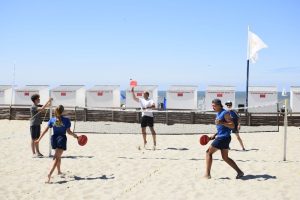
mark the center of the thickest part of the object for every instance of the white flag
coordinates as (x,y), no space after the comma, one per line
(255,44)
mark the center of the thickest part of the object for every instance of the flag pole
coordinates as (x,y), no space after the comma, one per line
(247,82)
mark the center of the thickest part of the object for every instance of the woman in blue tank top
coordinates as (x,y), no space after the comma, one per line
(221,139)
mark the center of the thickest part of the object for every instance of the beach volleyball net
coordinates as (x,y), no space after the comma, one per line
(168,122)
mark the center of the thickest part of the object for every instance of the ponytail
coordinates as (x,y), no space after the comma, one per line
(58,112)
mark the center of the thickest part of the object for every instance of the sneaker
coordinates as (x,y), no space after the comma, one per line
(154,148)
(40,155)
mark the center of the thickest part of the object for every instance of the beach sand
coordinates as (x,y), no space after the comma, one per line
(110,166)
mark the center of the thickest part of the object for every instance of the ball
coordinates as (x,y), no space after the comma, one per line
(82,140)
(204,139)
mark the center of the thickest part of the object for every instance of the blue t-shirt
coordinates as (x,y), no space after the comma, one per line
(59,129)
(223,131)
(235,117)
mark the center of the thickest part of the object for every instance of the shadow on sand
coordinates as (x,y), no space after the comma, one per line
(78,178)
(77,157)
(177,149)
(240,150)
(263,177)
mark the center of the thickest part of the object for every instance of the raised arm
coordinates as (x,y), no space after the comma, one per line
(46,105)
(133,95)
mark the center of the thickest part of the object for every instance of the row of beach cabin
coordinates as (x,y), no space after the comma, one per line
(262,99)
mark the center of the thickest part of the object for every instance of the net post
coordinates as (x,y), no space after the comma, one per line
(50,129)
(285,130)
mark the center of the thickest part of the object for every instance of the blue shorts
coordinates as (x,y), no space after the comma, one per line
(221,142)
(59,142)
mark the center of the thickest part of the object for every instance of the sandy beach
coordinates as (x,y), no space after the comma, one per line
(110,166)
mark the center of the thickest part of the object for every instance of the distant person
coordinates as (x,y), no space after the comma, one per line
(221,139)
(147,105)
(61,125)
(35,122)
(236,120)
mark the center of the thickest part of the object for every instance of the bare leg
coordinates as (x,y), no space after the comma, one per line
(153,136)
(144,136)
(33,147)
(240,140)
(57,156)
(38,149)
(210,151)
(58,166)
(230,162)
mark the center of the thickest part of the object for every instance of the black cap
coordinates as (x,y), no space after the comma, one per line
(217,102)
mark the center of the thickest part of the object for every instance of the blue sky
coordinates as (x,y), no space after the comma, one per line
(155,42)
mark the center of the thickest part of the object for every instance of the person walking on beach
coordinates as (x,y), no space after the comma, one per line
(61,125)
(221,139)
(236,120)
(147,105)
(36,121)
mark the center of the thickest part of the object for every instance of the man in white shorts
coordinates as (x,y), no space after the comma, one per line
(147,105)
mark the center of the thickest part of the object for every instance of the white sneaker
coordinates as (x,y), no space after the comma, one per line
(154,148)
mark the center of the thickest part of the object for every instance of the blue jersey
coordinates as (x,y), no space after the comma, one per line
(223,131)
(235,117)
(59,129)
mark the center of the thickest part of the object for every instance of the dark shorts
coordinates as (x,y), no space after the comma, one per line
(59,142)
(35,132)
(221,143)
(147,121)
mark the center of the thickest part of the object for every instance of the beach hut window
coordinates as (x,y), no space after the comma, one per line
(63,94)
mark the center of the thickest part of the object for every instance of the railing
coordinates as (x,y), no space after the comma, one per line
(19,112)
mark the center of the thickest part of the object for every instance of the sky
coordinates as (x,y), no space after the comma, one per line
(156,42)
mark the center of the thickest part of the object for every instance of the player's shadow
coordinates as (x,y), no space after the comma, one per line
(78,178)
(240,150)
(177,149)
(77,157)
(263,177)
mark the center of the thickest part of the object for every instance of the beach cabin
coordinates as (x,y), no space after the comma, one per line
(139,90)
(182,97)
(295,98)
(103,96)
(68,95)
(224,93)
(262,99)
(5,94)
(23,95)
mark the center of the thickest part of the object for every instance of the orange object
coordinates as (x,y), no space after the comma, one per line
(133,83)
(82,140)
(204,139)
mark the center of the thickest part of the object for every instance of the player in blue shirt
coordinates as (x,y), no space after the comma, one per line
(236,120)
(61,125)
(221,139)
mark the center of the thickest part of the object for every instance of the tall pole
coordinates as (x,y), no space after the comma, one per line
(13,84)
(247,82)
(285,129)
(247,85)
